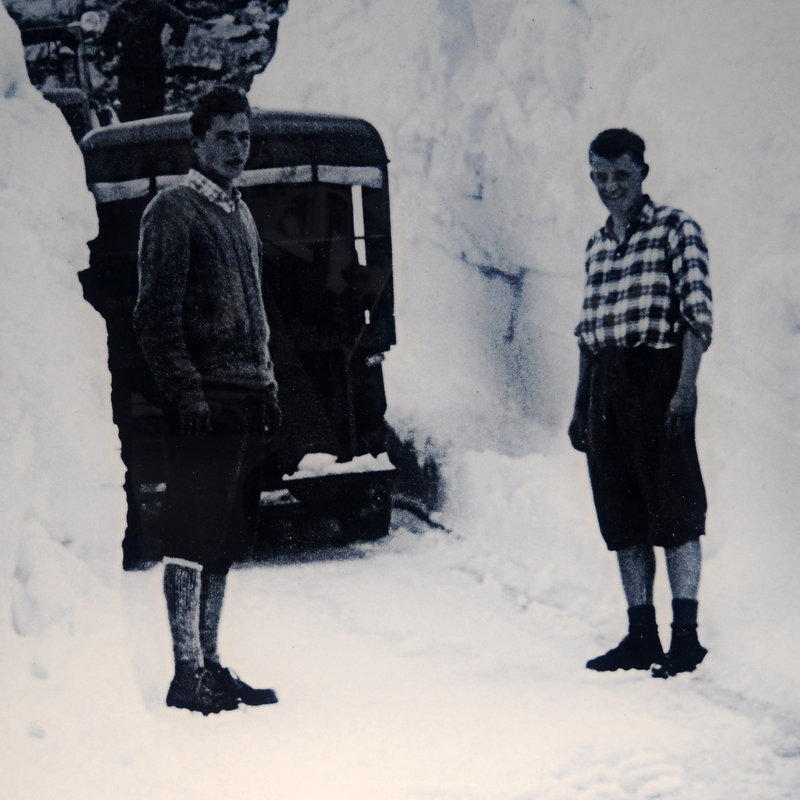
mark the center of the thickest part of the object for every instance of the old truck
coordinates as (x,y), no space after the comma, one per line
(318,188)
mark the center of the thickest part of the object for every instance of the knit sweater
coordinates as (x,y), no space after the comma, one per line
(200,313)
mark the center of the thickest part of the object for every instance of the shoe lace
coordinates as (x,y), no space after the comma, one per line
(225,676)
(206,682)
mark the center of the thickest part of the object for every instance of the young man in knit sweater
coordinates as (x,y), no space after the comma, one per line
(645,324)
(201,324)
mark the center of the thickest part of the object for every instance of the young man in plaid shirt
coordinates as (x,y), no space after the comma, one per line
(645,324)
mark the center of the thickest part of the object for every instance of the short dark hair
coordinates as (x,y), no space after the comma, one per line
(220,100)
(615,142)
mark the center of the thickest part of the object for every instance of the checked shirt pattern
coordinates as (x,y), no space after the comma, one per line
(646,289)
(228,201)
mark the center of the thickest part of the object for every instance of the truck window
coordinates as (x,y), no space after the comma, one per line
(315,254)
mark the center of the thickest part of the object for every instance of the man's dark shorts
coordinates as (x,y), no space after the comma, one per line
(208,503)
(647,486)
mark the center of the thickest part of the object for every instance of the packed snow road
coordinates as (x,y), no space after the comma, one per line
(401,675)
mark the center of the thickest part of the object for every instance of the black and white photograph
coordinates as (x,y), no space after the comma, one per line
(398,399)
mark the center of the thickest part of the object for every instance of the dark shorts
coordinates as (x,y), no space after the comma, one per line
(647,486)
(213,489)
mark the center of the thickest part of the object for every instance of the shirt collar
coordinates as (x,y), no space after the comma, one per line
(227,201)
(642,217)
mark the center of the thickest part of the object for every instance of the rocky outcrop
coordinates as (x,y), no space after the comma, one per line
(232,47)
(183,45)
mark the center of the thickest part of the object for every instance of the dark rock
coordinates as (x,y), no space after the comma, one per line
(229,41)
(204,53)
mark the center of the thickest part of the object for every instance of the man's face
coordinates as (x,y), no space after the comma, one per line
(618,182)
(222,152)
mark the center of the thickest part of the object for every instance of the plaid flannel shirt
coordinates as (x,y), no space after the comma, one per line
(648,288)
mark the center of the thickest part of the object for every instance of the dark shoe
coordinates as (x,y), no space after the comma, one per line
(635,651)
(230,683)
(196,689)
(685,653)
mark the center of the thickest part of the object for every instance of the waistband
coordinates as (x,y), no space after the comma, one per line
(636,362)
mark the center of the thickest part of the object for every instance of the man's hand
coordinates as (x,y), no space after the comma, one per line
(577,432)
(272,416)
(578,425)
(681,410)
(195,417)
(682,407)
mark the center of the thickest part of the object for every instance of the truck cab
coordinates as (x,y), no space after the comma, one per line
(317,186)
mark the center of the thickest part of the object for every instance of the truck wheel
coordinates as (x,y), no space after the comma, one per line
(370,519)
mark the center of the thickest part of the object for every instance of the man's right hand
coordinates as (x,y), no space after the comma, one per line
(577,432)
(580,413)
(195,417)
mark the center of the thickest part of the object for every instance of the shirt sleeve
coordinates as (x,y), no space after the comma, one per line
(164,254)
(582,329)
(691,277)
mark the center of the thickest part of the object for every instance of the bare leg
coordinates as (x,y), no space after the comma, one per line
(641,647)
(637,568)
(683,568)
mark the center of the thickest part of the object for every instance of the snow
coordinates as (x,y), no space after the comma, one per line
(315,465)
(432,664)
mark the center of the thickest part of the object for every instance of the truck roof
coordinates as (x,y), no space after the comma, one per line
(161,145)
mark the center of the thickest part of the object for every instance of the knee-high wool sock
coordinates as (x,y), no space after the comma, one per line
(182,591)
(212,594)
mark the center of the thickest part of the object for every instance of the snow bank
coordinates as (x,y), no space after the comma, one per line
(317,465)
(61,501)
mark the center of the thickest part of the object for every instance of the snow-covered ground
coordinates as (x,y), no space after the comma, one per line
(435,665)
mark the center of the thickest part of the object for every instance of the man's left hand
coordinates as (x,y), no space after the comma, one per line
(681,410)
(272,417)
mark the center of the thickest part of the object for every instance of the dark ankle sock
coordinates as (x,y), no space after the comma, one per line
(642,618)
(684,611)
(684,617)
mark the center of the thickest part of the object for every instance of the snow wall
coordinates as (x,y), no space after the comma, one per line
(486,111)
(62,508)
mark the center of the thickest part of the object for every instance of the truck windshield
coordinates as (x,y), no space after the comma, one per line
(315,253)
